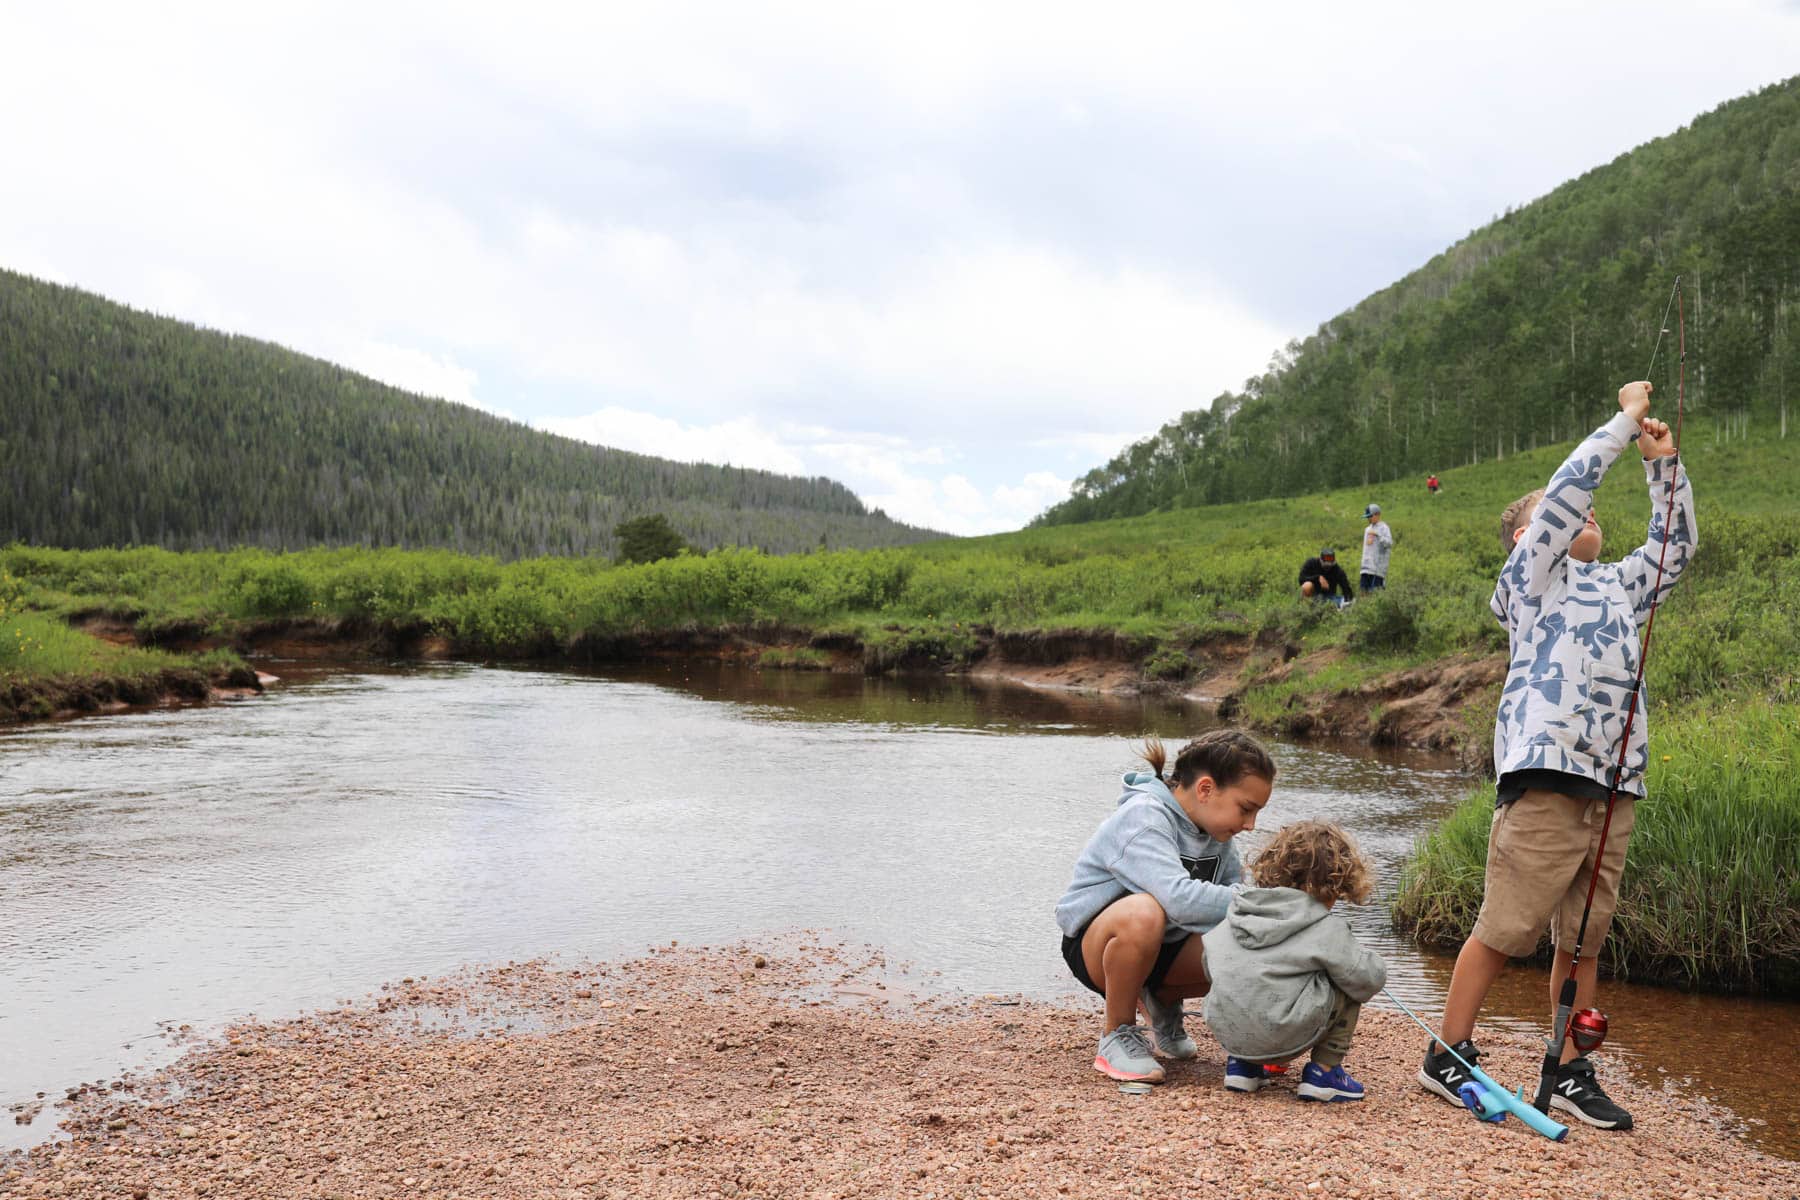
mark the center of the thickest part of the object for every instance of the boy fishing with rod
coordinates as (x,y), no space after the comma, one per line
(1570,749)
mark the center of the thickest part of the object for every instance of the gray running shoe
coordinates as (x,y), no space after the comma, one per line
(1171,1035)
(1125,1054)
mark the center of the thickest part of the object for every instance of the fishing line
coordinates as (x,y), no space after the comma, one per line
(1662,327)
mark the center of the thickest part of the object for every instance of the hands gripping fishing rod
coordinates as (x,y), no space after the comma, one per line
(1587,1028)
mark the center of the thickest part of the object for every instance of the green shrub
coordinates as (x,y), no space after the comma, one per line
(1168,664)
(271,589)
(648,539)
(1389,621)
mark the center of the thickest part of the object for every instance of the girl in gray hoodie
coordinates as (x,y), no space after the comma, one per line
(1287,975)
(1158,871)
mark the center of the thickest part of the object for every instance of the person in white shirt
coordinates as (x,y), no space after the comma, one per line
(1378,539)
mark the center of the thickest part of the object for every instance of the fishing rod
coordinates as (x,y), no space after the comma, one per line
(1483,1097)
(1587,1027)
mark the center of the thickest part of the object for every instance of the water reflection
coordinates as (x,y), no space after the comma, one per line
(357,826)
(917,702)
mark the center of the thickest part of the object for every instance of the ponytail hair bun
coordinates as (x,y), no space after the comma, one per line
(1227,755)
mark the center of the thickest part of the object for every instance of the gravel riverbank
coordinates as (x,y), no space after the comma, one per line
(807,1070)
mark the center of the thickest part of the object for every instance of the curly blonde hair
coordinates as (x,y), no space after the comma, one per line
(1319,859)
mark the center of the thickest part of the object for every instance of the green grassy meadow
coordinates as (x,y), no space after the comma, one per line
(1174,578)
(1724,670)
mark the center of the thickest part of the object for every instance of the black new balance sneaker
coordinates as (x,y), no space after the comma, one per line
(1442,1074)
(1578,1093)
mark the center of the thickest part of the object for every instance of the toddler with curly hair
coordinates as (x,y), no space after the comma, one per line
(1287,976)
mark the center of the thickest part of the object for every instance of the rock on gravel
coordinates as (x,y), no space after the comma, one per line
(693,1073)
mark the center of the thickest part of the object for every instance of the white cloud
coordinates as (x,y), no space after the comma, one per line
(905,480)
(955,505)
(1091,448)
(416,371)
(945,256)
(1038,491)
(963,497)
(739,443)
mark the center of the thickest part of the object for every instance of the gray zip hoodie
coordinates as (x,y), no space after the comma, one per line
(1273,963)
(1149,845)
(1378,541)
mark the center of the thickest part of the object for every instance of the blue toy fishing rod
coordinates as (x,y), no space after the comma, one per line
(1485,1098)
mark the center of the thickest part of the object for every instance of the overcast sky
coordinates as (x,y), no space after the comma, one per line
(953,256)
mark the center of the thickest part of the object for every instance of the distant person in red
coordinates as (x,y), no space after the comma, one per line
(1322,578)
(1432,484)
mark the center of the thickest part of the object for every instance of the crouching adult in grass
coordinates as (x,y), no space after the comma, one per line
(1321,578)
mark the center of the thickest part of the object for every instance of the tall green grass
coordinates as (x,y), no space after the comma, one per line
(1711,891)
(36,645)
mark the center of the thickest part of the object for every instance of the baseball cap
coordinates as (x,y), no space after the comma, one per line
(1372,510)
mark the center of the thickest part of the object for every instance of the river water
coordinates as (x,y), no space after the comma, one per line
(354,826)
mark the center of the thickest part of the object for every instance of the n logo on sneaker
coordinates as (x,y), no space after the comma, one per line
(1569,1087)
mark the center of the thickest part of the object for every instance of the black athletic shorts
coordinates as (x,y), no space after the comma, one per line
(1165,958)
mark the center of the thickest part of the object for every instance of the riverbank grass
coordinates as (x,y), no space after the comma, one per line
(36,646)
(1711,892)
(46,664)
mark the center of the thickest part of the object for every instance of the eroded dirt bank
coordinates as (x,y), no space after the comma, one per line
(1441,706)
(805,1074)
(47,699)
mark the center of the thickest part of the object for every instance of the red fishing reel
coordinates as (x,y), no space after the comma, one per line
(1587,1029)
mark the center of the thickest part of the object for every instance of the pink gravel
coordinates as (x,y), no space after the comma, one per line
(702,1073)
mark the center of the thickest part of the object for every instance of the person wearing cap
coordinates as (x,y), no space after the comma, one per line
(1322,579)
(1378,539)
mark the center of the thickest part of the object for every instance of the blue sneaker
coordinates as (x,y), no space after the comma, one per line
(1316,1083)
(1241,1076)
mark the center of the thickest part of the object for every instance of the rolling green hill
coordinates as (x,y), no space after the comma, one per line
(122,428)
(1508,339)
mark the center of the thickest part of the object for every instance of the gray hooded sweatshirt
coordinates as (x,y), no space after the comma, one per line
(1149,845)
(1273,963)
(1378,542)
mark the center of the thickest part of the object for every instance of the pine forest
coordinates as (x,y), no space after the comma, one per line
(120,428)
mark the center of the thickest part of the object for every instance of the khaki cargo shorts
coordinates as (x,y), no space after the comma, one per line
(1541,851)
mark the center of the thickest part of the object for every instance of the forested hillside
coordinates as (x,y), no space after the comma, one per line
(1506,340)
(122,428)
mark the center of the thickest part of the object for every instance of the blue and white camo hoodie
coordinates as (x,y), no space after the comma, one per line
(1573,626)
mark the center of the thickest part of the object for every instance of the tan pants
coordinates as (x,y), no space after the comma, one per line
(1541,854)
(1329,1051)
(1334,1044)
